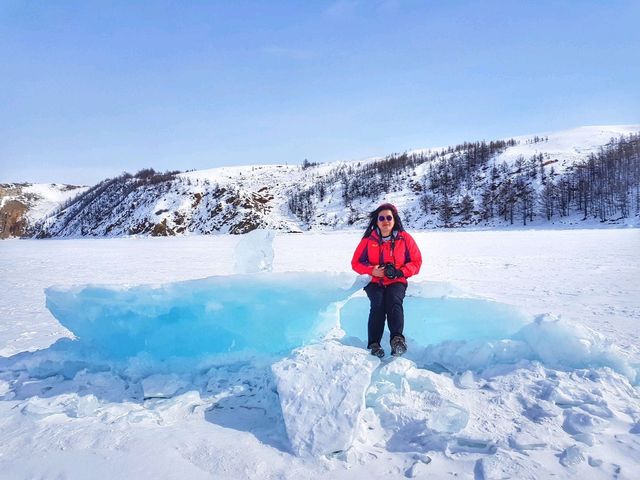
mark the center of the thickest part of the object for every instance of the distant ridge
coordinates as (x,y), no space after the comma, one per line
(586,176)
(24,204)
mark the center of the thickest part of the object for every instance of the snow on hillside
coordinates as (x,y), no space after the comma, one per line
(512,371)
(50,196)
(41,198)
(566,146)
(342,187)
(274,179)
(24,204)
(525,181)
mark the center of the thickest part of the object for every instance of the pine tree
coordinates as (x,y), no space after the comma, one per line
(548,199)
(466,208)
(446,211)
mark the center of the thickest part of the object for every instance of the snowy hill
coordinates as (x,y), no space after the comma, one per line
(225,200)
(529,180)
(23,204)
(566,146)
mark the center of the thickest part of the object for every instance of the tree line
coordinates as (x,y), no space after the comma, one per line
(466,184)
(100,201)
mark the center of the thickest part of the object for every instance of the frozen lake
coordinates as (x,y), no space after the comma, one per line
(586,275)
(555,399)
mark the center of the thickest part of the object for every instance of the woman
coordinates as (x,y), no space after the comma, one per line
(390,255)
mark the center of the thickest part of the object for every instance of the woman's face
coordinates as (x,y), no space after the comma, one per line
(385,222)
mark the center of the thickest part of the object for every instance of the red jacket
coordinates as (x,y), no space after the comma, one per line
(405,255)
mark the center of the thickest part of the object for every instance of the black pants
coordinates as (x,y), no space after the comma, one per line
(385,301)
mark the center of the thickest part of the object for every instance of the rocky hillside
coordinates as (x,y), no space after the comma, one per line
(584,176)
(173,203)
(24,204)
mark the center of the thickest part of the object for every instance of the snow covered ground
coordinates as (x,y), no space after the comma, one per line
(539,376)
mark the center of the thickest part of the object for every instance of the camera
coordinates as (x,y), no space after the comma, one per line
(390,271)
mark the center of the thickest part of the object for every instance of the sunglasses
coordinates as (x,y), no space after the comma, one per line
(382,218)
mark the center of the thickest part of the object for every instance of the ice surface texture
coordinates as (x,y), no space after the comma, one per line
(321,389)
(432,319)
(277,312)
(328,395)
(268,312)
(265,312)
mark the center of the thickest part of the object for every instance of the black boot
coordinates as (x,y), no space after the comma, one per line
(398,346)
(376,350)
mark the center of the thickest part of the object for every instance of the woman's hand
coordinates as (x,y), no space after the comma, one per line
(378,271)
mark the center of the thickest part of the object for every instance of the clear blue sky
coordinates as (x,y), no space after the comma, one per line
(89,89)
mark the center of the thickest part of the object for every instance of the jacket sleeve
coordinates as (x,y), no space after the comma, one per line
(412,267)
(360,261)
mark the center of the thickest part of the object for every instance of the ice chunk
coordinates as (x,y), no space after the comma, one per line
(466,380)
(449,418)
(465,333)
(571,456)
(431,320)
(321,389)
(266,312)
(503,465)
(408,401)
(561,344)
(555,342)
(87,406)
(69,404)
(476,354)
(273,313)
(162,386)
(525,440)
(578,422)
(254,252)
(107,385)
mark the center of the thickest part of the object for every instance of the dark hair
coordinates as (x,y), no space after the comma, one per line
(373,219)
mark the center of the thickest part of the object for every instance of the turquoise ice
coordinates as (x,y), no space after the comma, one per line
(273,313)
(262,312)
(431,320)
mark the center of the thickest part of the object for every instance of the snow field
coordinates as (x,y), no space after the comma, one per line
(568,410)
